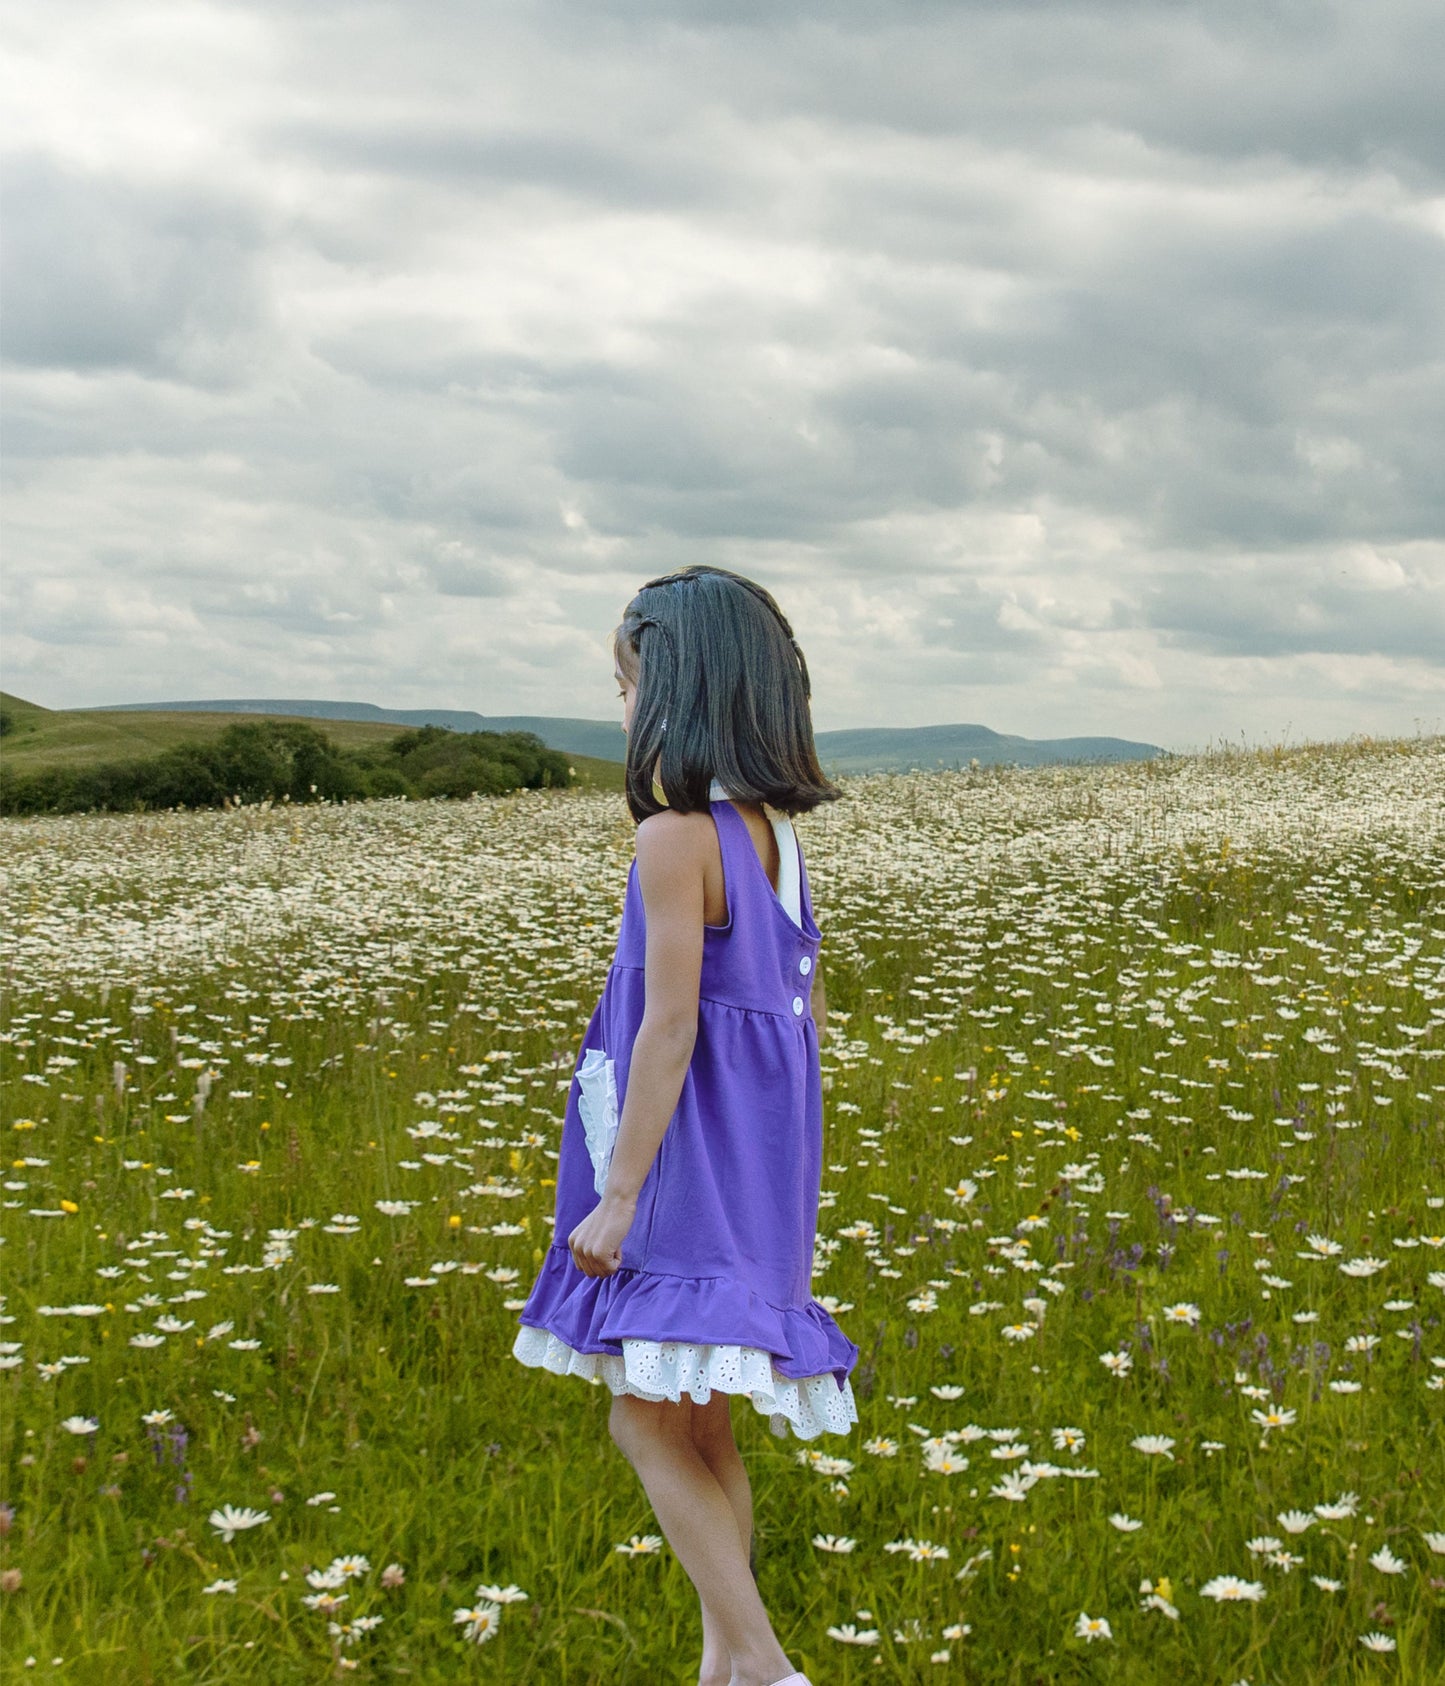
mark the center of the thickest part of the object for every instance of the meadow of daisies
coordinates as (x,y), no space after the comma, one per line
(1133,1200)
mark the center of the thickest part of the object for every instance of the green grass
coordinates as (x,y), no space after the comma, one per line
(1154,1026)
(79,737)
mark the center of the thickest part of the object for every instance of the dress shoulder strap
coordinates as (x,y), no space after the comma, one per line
(790,864)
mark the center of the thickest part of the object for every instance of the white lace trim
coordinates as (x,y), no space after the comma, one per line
(656,1370)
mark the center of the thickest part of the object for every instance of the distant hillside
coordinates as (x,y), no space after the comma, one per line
(36,737)
(868,749)
(600,739)
(898,749)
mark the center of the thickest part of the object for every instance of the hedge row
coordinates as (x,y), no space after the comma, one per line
(288,760)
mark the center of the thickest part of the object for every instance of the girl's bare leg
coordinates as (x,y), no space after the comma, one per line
(701,1526)
(712,1434)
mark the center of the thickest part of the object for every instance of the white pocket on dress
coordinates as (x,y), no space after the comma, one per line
(597,1108)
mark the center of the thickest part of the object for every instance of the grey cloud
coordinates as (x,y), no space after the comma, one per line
(586,166)
(1233,610)
(101,273)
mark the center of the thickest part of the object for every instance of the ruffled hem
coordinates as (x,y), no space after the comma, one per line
(657,1370)
(594,1315)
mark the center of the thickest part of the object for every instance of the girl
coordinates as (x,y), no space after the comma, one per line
(691,1156)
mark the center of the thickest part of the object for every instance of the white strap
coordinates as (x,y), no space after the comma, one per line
(790,891)
(790,888)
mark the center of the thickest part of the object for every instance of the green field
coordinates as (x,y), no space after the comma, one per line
(1133,1200)
(79,737)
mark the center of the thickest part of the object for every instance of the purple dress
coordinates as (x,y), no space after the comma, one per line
(715,1284)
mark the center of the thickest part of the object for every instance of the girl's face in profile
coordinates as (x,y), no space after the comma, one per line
(628,690)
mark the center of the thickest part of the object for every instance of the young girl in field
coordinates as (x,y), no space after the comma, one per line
(689,1171)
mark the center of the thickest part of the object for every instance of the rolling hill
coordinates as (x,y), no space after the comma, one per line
(38,737)
(868,749)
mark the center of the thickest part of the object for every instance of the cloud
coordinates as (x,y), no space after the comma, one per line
(1068,367)
(100,273)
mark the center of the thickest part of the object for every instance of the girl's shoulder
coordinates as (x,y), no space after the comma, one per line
(674,850)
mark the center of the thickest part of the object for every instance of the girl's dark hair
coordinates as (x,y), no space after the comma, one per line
(722,692)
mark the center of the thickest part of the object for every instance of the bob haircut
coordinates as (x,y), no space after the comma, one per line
(722,692)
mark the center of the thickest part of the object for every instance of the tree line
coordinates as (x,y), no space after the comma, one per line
(287,760)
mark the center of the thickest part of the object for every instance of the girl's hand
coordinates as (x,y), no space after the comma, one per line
(596,1243)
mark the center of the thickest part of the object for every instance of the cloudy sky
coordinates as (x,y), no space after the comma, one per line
(1068,368)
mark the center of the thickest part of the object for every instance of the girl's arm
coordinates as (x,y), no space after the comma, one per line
(670,876)
(820,1001)
(670,863)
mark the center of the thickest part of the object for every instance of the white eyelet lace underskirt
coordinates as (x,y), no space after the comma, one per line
(657,1370)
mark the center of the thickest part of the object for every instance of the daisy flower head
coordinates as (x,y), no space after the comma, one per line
(847,1634)
(946,1462)
(1154,1445)
(231,1520)
(1386,1562)
(481,1622)
(1295,1521)
(1014,1486)
(1116,1363)
(501,1595)
(834,1542)
(1230,1589)
(80,1425)
(1377,1642)
(1124,1523)
(1092,1627)
(641,1545)
(326,1601)
(1184,1312)
(1321,1247)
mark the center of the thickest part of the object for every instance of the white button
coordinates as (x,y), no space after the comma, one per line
(805,965)
(798,1005)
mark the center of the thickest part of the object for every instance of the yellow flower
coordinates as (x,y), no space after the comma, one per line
(454,1221)
(69,1206)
